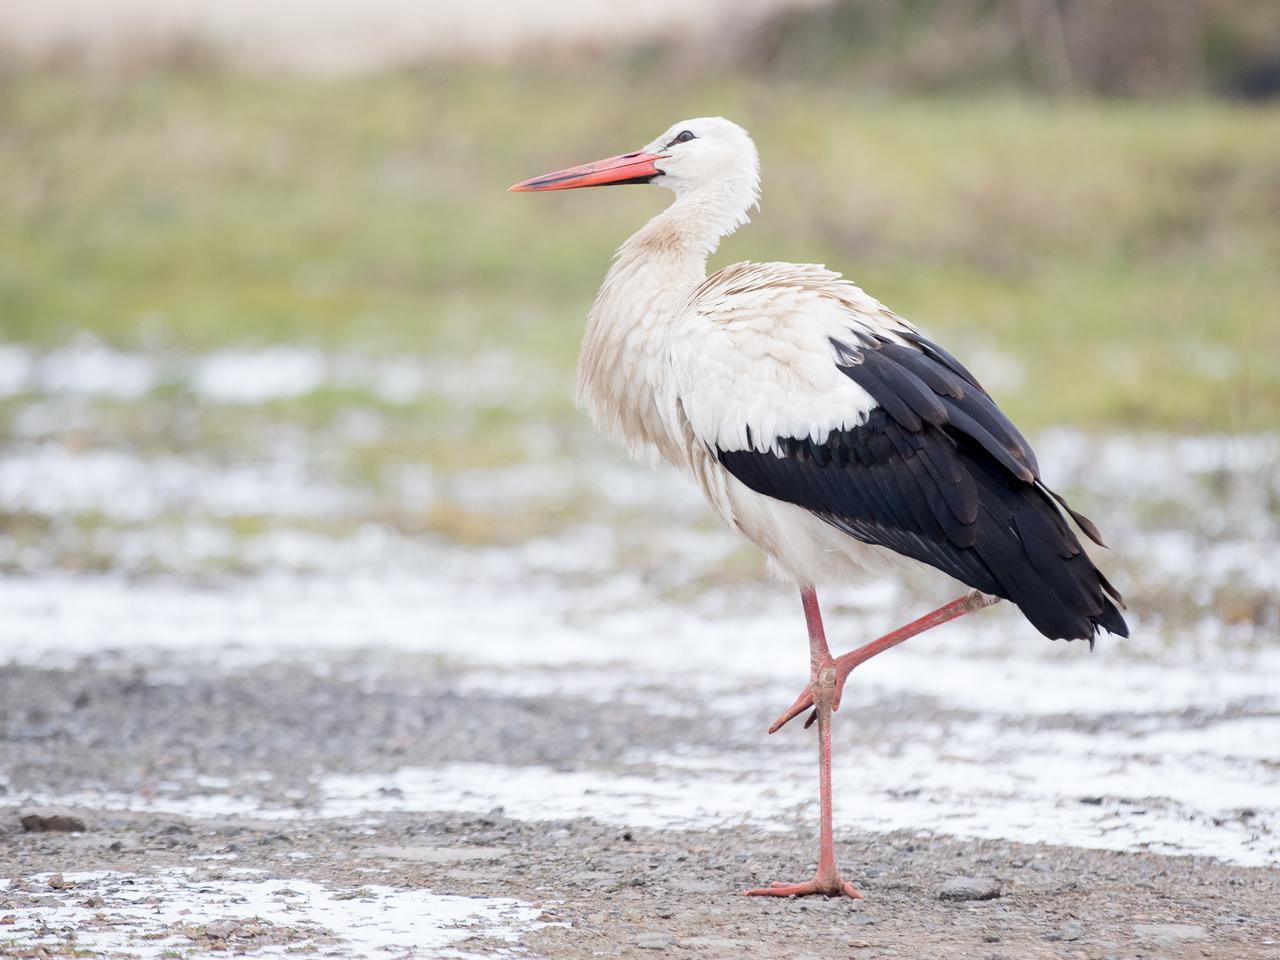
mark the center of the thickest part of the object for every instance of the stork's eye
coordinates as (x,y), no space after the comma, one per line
(684,136)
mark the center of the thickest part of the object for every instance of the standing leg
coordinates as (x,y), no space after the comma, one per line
(822,673)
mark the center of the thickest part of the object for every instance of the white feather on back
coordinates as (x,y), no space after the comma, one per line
(752,351)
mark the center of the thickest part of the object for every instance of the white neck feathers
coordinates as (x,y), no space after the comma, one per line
(622,367)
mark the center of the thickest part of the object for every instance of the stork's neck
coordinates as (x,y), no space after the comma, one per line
(622,368)
(664,260)
(696,222)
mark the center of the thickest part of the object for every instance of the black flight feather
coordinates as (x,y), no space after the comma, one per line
(938,473)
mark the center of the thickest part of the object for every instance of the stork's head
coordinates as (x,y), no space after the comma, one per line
(706,155)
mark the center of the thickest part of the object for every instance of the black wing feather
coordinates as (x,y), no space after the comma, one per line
(937,472)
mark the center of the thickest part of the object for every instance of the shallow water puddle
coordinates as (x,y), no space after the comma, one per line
(51,479)
(1208,789)
(1214,796)
(525,635)
(248,376)
(151,916)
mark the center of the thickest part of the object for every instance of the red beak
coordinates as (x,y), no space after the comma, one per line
(628,168)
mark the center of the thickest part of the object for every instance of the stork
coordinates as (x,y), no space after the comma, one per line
(819,424)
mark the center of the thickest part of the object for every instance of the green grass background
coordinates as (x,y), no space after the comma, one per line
(1126,254)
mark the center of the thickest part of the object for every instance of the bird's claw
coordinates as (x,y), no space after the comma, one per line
(828,683)
(804,702)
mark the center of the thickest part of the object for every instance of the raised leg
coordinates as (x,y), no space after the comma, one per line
(844,665)
(822,668)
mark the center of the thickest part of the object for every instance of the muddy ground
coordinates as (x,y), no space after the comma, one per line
(603,889)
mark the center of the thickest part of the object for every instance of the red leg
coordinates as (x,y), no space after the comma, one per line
(844,665)
(822,668)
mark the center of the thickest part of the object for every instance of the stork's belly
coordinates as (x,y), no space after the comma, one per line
(800,546)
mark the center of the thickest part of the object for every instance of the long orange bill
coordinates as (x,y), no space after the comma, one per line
(628,168)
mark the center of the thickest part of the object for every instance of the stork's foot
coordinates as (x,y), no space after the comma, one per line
(829,682)
(819,886)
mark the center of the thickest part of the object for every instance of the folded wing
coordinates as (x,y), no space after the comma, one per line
(917,459)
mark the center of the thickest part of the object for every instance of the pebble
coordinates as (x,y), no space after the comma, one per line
(1071,930)
(859,944)
(969,888)
(51,823)
(219,931)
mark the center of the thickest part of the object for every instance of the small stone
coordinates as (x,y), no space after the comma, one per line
(653,941)
(52,823)
(860,944)
(1071,930)
(219,931)
(116,846)
(969,888)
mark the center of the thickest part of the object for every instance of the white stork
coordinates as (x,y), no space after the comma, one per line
(819,424)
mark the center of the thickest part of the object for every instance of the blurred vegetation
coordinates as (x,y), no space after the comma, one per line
(1122,254)
(1128,48)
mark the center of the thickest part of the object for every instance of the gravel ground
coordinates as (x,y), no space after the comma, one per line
(596,889)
